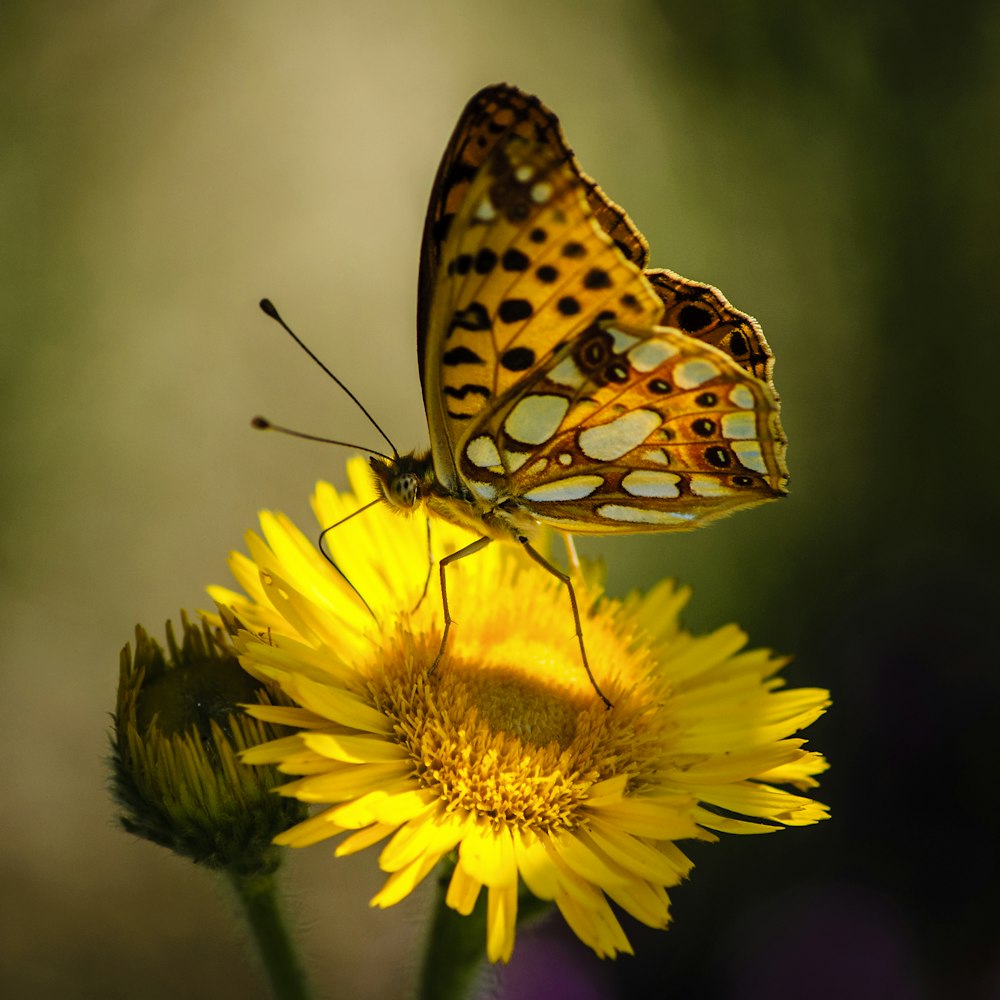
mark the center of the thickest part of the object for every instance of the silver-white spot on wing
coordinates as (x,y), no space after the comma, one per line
(645,483)
(708,486)
(642,515)
(536,418)
(739,425)
(749,454)
(690,374)
(650,354)
(483,452)
(609,441)
(573,488)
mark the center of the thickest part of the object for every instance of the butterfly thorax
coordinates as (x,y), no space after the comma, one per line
(407,482)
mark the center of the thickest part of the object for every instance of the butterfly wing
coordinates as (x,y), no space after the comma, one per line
(490,119)
(703,312)
(644,430)
(524,268)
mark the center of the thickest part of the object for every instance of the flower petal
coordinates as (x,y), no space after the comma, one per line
(432,835)
(488,854)
(463,891)
(310,831)
(533,863)
(401,883)
(354,749)
(501,920)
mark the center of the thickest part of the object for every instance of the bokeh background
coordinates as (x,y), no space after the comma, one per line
(832,167)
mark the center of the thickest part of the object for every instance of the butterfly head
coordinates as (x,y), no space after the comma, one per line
(405,481)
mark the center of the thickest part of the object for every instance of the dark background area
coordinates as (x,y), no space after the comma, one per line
(833,168)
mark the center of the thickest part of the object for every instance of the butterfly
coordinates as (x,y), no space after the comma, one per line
(565,384)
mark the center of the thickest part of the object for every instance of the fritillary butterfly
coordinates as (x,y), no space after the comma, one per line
(565,384)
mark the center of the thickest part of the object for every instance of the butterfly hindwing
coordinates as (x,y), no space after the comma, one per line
(644,430)
(703,312)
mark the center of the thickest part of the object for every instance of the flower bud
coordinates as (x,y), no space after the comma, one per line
(178,731)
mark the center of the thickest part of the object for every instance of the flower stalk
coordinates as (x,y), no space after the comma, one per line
(258,896)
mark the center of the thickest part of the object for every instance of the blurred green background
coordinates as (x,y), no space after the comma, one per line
(833,168)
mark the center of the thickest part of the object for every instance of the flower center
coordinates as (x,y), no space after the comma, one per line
(514,745)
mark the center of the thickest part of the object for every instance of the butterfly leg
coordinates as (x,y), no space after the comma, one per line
(430,569)
(472,547)
(545,564)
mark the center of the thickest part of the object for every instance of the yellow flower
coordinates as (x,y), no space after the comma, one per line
(505,754)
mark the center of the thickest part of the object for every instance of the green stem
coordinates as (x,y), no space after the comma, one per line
(456,949)
(456,945)
(259,896)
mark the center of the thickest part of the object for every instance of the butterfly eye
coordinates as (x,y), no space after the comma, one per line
(405,488)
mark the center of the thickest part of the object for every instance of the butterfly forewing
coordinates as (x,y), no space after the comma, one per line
(524,270)
(490,119)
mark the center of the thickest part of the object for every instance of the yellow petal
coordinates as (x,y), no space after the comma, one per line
(286,715)
(587,861)
(340,784)
(634,855)
(361,839)
(433,834)
(752,799)
(595,925)
(534,865)
(370,807)
(354,749)
(463,891)
(274,751)
(338,705)
(664,817)
(644,902)
(729,824)
(501,919)
(401,883)
(488,854)
(309,831)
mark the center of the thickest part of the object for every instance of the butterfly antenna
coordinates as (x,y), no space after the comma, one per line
(263,424)
(267,306)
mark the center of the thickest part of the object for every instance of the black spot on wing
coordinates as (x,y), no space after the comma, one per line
(470,388)
(461,356)
(518,359)
(738,344)
(473,317)
(514,260)
(717,456)
(693,318)
(514,310)
(439,231)
(597,277)
(485,261)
